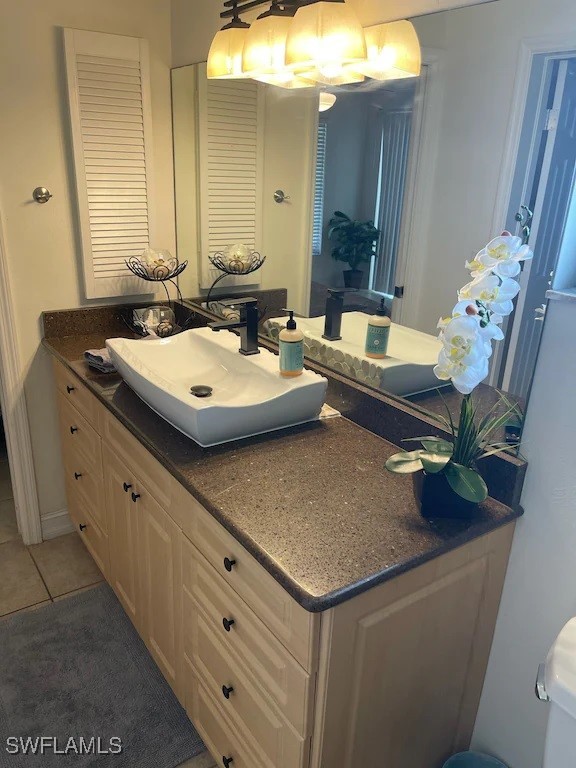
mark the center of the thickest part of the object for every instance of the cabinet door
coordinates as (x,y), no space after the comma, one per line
(123,536)
(160,548)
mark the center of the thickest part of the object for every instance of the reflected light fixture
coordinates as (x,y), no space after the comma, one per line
(265,49)
(324,41)
(225,55)
(392,52)
(326,101)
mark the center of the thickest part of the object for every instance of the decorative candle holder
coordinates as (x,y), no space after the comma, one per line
(230,265)
(164,272)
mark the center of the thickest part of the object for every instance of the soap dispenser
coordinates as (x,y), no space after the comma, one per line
(291,342)
(377,333)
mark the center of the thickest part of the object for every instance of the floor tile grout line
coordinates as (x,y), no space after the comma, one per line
(40,574)
(79,589)
(24,608)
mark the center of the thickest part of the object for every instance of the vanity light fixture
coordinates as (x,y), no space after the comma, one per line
(392,52)
(326,101)
(225,55)
(324,41)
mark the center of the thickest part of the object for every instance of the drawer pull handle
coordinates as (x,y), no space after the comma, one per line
(73,429)
(135,496)
(227,761)
(126,487)
(227,690)
(82,526)
(70,389)
(229,564)
(228,624)
(77,475)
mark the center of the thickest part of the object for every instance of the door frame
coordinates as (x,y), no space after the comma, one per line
(14,412)
(558,43)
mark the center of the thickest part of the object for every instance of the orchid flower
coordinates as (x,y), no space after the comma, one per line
(493,292)
(464,377)
(502,257)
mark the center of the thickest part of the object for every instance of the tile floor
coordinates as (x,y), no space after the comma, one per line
(34,576)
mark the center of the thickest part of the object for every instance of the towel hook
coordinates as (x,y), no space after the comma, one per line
(41,194)
(280,196)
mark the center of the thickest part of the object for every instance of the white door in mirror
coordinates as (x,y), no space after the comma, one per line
(199,383)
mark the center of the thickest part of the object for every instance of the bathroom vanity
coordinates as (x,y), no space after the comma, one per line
(302,611)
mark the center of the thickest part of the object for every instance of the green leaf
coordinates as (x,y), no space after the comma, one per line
(434,462)
(404,462)
(438,445)
(466,482)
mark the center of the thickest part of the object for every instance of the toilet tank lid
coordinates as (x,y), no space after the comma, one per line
(561,669)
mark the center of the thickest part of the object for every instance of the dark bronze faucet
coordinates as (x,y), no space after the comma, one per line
(333,312)
(247,325)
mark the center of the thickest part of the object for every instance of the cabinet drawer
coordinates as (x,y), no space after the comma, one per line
(78,436)
(140,461)
(87,484)
(295,627)
(270,734)
(264,658)
(94,538)
(74,391)
(224,743)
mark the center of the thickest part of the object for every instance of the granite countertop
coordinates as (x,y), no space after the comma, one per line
(313,504)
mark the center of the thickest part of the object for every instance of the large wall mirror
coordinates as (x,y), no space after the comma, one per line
(439,164)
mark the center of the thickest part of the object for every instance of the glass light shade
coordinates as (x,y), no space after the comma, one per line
(284,79)
(323,38)
(225,55)
(265,46)
(326,101)
(392,52)
(335,76)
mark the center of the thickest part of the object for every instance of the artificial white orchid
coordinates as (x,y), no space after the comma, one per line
(464,377)
(502,257)
(493,292)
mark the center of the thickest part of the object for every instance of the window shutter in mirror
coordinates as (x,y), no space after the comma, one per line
(318,221)
(109,94)
(231,115)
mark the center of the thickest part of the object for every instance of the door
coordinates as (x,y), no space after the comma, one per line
(160,547)
(550,198)
(123,535)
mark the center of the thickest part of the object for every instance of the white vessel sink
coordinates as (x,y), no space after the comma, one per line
(407,370)
(248,394)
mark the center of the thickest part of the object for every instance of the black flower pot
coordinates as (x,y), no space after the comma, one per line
(353,278)
(435,498)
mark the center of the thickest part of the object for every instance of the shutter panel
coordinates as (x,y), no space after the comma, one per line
(318,221)
(109,93)
(231,115)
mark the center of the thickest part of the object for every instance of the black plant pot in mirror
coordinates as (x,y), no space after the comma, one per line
(353,278)
(436,499)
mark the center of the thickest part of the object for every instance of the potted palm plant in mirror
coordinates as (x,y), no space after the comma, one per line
(446,478)
(355,244)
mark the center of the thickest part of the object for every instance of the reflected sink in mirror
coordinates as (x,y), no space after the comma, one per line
(407,370)
(236,396)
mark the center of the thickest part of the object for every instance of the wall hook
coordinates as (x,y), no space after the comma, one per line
(41,194)
(280,197)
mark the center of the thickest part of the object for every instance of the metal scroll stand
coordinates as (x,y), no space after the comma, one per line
(233,267)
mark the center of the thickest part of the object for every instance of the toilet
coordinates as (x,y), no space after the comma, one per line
(556,683)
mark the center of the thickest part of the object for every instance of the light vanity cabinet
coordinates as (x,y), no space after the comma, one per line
(389,678)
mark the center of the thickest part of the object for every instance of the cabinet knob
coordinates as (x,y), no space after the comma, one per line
(226,761)
(126,487)
(70,389)
(77,475)
(229,564)
(82,526)
(228,624)
(135,496)
(73,429)
(227,690)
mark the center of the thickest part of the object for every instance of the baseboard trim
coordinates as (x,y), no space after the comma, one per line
(56,524)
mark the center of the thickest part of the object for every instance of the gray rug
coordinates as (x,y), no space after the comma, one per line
(77,668)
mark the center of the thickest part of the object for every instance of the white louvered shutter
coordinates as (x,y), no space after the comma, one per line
(231,116)
(109,93)
(320,170)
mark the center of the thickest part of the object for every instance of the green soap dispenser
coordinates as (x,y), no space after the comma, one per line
(378,333)
(291,341)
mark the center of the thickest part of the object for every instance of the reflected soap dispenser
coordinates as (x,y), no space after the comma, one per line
(291,341)
(378,333)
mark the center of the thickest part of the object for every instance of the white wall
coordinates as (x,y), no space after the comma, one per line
(481,47)
(35,149)
(540,590)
